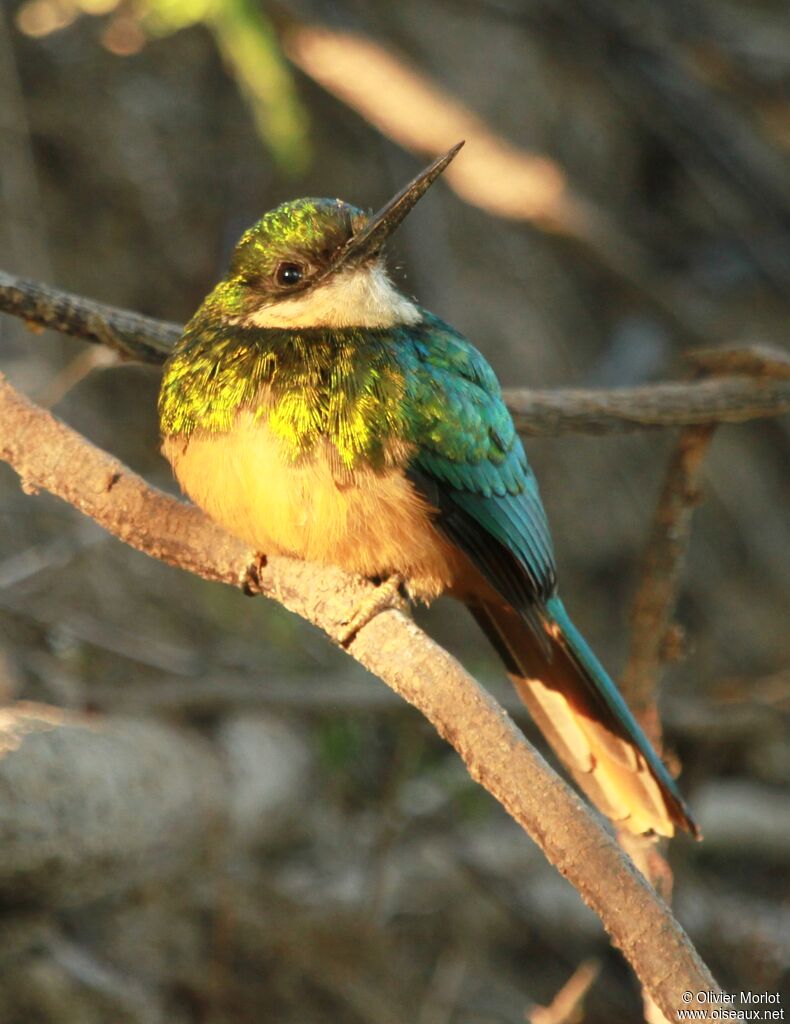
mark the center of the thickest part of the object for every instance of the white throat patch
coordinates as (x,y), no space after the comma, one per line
(362,297)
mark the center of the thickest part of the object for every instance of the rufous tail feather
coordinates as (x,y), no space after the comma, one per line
(585,719)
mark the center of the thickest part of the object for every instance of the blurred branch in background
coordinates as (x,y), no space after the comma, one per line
(737,173)
(505,180)
(47,454)
(653,640)
(414,111)
(567,1006)
(671,72)
(651,629)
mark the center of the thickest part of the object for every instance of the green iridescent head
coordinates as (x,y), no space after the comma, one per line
(301,244)
(294,245)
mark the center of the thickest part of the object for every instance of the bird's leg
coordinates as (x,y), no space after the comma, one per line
(250,581)
(386,595)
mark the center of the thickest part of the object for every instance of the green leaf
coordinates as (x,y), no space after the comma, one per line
(249,44)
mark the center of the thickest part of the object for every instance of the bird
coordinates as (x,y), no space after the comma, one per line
(314,410)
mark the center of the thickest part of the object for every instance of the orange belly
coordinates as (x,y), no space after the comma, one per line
(368,522)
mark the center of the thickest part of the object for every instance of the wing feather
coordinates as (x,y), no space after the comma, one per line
(470,464)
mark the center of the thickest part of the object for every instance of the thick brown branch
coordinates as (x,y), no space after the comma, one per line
(47,454)
(538,413)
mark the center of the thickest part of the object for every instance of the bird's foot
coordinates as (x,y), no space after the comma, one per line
(386,595)
(250,581)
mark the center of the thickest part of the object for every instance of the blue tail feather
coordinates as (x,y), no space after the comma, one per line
(612,705)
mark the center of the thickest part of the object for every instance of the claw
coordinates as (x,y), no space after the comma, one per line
(386,595)
(251,577)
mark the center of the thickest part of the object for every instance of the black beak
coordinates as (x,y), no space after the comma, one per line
(369,241)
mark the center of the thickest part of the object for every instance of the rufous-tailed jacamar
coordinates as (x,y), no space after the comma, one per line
(315,411)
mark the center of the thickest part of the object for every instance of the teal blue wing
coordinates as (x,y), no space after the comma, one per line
(471,466)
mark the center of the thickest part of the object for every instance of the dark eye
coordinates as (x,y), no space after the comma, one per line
(289,274)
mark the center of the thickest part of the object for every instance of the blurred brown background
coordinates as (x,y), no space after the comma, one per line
(626,198)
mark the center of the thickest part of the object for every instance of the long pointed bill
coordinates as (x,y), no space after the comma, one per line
(381,225)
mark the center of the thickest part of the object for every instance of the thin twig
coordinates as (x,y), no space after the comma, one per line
(660,576)
(566,1006)
(620,410)
(136,337)
(754,361)
(74,372)
(651,618)
(537,413)
(48,454)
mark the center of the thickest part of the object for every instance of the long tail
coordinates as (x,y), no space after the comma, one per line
(580,711)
